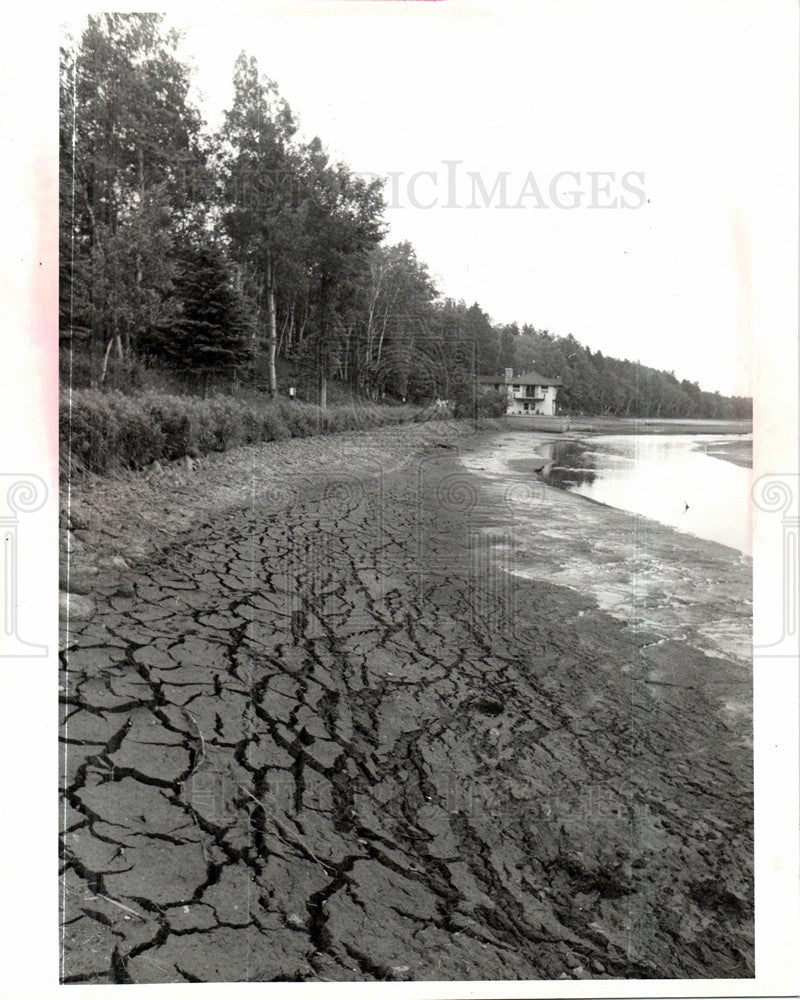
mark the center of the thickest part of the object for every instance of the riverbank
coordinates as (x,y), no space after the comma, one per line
(736,452)
(651,425)
(319,727)
(625,425)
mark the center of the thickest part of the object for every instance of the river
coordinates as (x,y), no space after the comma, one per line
(669,478)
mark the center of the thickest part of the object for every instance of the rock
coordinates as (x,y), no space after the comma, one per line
(223,955)
(78,518)
(165,763)
(90,536)
(95,658)
(77,606)
(77,581)
(191,917)
(68,543)
(234,897)
(88,946)
(113,562)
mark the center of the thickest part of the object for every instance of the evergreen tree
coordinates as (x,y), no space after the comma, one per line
(208,331)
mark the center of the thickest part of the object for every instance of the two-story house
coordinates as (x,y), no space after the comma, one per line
(528,392)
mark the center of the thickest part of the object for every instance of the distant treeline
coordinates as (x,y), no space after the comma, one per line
(604,385)
(223,257)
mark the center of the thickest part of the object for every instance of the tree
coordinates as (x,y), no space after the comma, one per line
(261,201)
(130,161)
(209,332)
(397,325)
(342,221)
(478,331)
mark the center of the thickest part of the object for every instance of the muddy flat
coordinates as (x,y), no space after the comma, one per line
(350,709)
(738,452)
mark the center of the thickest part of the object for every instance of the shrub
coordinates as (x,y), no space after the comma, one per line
(273,426)
(137,435)
(103,430)
(301,419)
(471,403)
(176,417)
(86,431)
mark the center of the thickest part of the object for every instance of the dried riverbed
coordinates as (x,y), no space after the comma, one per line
(322,723)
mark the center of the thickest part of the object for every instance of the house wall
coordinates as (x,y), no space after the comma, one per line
(544,407)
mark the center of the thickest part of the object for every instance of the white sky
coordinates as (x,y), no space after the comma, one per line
(699,98)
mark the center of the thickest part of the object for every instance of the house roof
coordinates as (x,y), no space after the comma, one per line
(521,378)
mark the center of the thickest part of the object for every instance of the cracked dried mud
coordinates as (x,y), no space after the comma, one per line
(313,730)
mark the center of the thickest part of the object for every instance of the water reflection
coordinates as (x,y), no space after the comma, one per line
(565,477)
(665,477)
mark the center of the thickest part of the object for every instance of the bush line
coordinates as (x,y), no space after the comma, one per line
(103,431)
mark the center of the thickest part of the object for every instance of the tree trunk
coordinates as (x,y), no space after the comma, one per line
(97,305)
(322,349)
(104,370)
(273,335)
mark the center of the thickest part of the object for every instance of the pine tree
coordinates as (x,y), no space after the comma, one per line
(209,331)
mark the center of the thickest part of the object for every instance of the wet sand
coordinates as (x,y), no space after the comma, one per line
(737,452)
(350,709)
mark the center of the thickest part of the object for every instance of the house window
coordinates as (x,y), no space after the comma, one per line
(516,388)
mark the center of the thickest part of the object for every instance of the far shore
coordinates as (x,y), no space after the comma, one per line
(625,425)
(737,452)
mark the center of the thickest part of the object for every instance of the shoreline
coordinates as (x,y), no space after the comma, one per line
(736,452)
(377,753)
(651,576)
(571,425)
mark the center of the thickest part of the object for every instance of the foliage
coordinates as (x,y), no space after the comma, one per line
(237,255)
(208,330)
(100,431)
(130,167)
(470,402)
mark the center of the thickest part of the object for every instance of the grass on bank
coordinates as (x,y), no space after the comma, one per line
(101,431)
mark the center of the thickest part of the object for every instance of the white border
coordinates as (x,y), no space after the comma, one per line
(29,274)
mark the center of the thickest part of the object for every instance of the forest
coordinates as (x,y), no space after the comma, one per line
(200,261)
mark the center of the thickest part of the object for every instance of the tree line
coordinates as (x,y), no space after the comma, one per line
(223,254)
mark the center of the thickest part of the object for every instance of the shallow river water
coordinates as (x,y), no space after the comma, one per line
(681,576)
(669,478)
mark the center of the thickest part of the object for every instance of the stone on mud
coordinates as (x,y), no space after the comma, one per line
(75,607)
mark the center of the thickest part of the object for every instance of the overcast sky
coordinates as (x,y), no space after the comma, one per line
(695,103)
